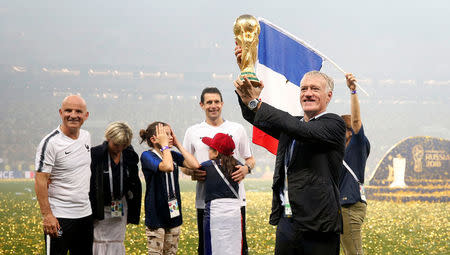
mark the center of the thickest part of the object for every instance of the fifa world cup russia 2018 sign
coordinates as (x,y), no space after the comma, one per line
(415,165)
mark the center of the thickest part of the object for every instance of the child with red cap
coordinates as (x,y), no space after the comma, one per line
(222,220)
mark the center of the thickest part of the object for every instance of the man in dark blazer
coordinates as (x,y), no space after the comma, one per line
(305,205)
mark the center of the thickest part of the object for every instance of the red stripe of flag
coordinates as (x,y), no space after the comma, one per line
(265,140)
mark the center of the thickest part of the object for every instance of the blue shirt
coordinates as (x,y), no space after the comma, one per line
(215,186)
(356,154)
(157,213)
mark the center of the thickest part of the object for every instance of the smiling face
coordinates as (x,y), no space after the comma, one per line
(212,105)
(314,96)
(73,113)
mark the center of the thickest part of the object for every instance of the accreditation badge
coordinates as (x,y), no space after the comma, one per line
(287,210)
(116,208)
(173,208)
(362,192)
(287,205)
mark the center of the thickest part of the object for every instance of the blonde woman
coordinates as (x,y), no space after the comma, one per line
(115,189)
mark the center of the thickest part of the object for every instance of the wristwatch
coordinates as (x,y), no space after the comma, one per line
(249,168)
(253,103)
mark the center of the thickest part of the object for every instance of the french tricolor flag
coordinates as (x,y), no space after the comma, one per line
(282,62)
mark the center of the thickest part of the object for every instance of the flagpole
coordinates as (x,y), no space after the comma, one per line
(310,48)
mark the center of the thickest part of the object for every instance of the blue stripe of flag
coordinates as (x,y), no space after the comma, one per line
(285,55)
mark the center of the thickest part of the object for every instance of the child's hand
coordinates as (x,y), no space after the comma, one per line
(176,142)
(161,137)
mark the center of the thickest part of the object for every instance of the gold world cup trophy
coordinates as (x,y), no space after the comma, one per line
(246,33)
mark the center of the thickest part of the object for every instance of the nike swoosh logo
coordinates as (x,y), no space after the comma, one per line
(67,152)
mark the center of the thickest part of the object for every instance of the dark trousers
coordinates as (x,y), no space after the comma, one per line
(291,241)
(244,234)
(201,237)
(77,237)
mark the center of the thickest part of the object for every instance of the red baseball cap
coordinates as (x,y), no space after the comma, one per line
(221,142)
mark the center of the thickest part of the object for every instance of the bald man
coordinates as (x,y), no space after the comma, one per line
(62,182)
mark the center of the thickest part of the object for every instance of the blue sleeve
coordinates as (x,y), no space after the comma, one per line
(208,167)
(204,165)
(362,140)
(177,158)
(359,134)
(150,162)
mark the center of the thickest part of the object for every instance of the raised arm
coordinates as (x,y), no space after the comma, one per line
(162,139)
(329,130)
(196,174)
(246,92)
(189,160)
(354,103)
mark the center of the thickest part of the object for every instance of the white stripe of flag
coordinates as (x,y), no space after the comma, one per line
(282,62)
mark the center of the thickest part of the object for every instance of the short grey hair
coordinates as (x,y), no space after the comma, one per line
(328,80)
(119,133)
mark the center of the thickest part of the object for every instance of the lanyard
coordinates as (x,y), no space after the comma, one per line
(225,179)
(287,161)
(167,177)
(173,184)
(351,171)
(111,178)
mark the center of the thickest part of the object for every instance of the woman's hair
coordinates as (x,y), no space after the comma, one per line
(119,133)
(149,132)
(228,164)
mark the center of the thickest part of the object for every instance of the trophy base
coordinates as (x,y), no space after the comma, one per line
(250,75)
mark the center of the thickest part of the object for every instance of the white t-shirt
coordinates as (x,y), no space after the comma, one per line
(193,144)
(68,162)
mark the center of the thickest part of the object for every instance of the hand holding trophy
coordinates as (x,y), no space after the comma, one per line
(246,33)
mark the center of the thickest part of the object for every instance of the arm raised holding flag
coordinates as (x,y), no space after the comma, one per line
(352,197)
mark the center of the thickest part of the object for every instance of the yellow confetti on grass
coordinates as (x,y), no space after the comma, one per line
(390,227)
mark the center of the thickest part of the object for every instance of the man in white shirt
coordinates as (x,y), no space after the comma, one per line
(212,103)
(62,180)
